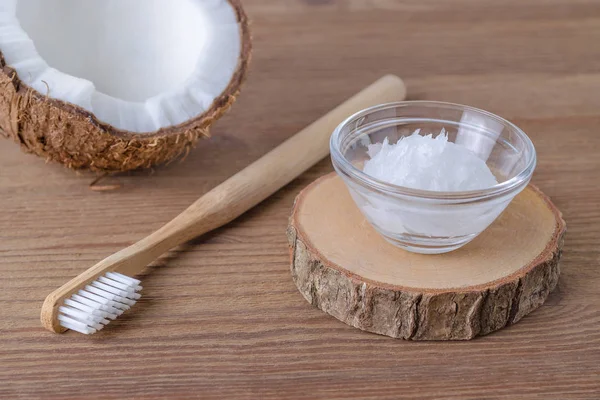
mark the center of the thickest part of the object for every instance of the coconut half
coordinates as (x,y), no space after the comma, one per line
(118,84)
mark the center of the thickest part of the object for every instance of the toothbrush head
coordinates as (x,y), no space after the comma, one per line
(89,309)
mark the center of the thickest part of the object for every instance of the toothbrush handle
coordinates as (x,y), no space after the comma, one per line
(233,197)
(265,176)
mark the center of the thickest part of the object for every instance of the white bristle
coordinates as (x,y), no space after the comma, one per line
(129,291)
(122,278)
(116,284)
(90,309)
(111,298)
(75,325)
(96,301)
(110,289)
(85,308)
(97,308)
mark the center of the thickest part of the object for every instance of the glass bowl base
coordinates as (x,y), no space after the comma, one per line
(428,245)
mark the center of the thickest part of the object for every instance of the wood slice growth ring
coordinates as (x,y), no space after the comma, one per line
(342,266)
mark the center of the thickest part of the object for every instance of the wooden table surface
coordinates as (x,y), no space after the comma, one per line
(220,317)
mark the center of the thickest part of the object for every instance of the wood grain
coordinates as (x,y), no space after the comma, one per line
(221,317)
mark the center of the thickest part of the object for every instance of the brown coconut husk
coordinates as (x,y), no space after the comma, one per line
(66,133)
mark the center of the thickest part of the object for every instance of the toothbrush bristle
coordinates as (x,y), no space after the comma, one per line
(103,300)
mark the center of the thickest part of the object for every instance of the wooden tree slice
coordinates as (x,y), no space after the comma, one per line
(345,268)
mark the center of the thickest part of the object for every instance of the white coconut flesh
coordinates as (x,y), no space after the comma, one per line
(137,65)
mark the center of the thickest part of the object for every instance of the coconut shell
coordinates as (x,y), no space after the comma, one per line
(66,133)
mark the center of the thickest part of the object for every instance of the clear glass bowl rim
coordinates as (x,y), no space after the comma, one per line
(471,195)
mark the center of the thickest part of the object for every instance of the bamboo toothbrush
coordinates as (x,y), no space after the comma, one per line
(89,301)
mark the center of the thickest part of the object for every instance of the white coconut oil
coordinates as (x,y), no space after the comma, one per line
(426,163)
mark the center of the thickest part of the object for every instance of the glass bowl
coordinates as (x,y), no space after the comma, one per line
(424,221)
